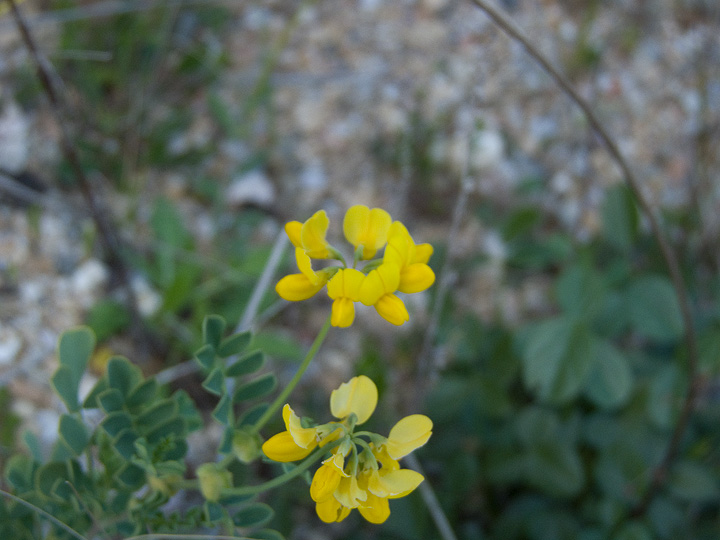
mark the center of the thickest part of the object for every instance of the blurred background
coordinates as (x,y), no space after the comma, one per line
(550,352)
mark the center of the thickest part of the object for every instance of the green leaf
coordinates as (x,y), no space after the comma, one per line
(653,308)
(223,413)
(580,291)
(215,382)
(107,318)
(186,409)
(213,329)
(249,363)
(174,427)
(157,414)
(693,482)
(169,226)
(267,534)
(254,389)
(66,387)
(142,393)
(234,344)
(131,476)
(111,400)
(73,433)
(213,511)
(520,222)
(633,531)
(91,401)
(122,375)
(205,356)
(19,471)
(49,477)
(252,415)
(116,422)
(610,380)
(124,443)
(557,359)
(556,469)
(620,217)
(75,349)
(253,515)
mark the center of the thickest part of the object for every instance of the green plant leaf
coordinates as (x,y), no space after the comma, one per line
(157,414)
(249,363)
(116,422)
(74,433)
(580,291)
(122,375)
(215,382)
(107,318)
(253,515)
(142,393)
(610,380)
(205,356)
(620,217)
(49,477)
(91,401)
(557,359)
(131,476)
(252,415)
(75,349)
(693,482)
(213,329)
(66,387)
(173,427)
(254,389)
(223,413)
(111,400)
(124,443)
(267,534)
(234,344)
(633,531)
(653,308)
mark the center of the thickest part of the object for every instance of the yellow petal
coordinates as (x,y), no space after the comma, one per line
(392,309)
(343,313)
(423,252)
(367,228)
(349,494)
(394,484)
(331,511)
(296,287)
(359,395)
(346,283)
(375,509)
(383,280)
(282,447)
(408,434)
(303,437)
(292,229)
(324,482)
(312,235)
(304,264)
(416,278)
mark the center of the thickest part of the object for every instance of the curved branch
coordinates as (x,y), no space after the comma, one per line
(504,22)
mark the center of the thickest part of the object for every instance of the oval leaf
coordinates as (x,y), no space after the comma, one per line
(255,389)
(253,515)
(653,308)
(610,380)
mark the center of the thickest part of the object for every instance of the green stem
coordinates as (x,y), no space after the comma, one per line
(44,514)
(280,480)
(280,399)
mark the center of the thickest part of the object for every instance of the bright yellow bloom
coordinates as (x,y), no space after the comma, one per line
(344,289)
(357,474)
(415,274)
(403,267)
(378,290)
(310,236)
(367,228)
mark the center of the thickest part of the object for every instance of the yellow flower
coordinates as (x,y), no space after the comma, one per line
(378,290)
(367,228)
(344,289)
(415,274)
(310,236)
(304,285)
(357,474)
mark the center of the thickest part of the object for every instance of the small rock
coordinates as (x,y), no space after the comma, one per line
(251,188)
(14,145)
(10,345)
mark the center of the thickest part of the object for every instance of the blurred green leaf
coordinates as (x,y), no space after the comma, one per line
(213,329)
(610,380)
(111,400)
(633,530)
(653,308)
(253,515)
(234,344)
(557,359)
(580,291)
(66,387)
(74,351)
(215,382)
(247,364)
(122,375)
(73,432)
(107,318)
(223,412)
(257,388)
(691,481)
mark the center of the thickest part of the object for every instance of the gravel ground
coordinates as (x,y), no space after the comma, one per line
(354,78)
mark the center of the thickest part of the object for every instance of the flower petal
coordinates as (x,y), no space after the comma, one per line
(375,509)
(292,229)
(367,228)
(392,309)
(282,447)
(312,235)
(359,395)
(416,278)
(383,280)
(296,287)
(303,437)
(423,252)
(394,484)
(408,434)
(331,511)
(324,482)
(349,494)
(343,313)
(346,283)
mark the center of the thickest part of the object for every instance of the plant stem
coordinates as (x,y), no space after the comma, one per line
(44,514)
(280,399)
(280,480)
(504,22)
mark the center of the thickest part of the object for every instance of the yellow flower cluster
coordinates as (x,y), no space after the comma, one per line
(403,267)
(358,473)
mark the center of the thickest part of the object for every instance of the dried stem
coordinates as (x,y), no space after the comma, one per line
(503,21)
(111,243)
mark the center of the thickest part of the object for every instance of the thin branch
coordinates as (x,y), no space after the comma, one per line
(503,21)
(108,237)
(432,503)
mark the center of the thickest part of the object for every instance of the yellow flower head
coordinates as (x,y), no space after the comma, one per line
(403,267)
(357,473)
